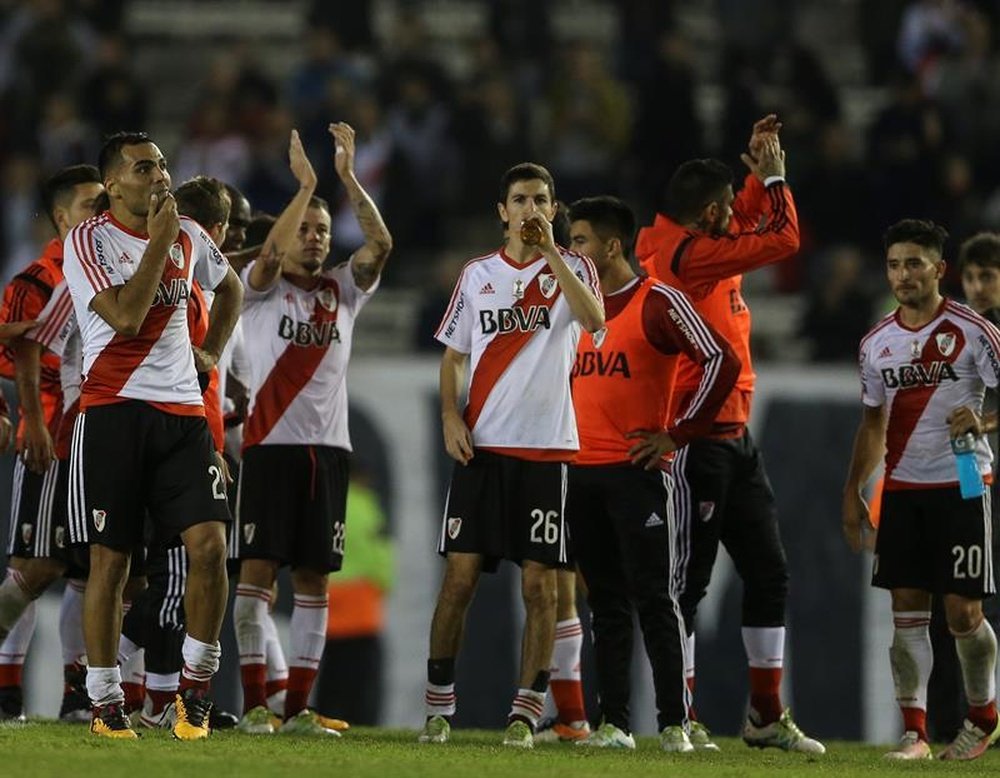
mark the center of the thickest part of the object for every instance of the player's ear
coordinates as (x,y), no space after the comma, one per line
(502,210)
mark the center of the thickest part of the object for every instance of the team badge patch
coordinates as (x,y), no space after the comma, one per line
(177,256)
(328,299)
(599,336)
(547,283)
(248,532)
(454,527)
(26,530)
(99,519)
(706,510)
(60,537)
(945,343)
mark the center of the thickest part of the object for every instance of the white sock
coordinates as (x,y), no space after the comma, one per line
(977,654)
(126,650)
(134,669)
(104,686)
(308,630)
(14,648)
(528,705)
(163,682)
(14,600)
(277,667)
(249,615)
(440,700)
(71,622)
(765,646)
(911,657)
(201,660)
(566,651)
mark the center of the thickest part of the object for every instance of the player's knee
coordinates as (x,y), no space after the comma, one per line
(107,567)
(38,574)
(539,592)
(207,552)
(457,590)
(963,616)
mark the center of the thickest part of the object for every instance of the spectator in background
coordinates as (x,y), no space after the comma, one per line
(64,138)
(350,682)
(667,131)
(589,123)
(213,146)
(115,99)
(839,311)
(435,301)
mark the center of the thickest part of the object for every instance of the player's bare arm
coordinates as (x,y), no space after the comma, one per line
(963,419)
(586,308)
(36,447)
(457,438)
(869,448)
(221,320)
(368,261)
(16,329)
(125,307)
(266,270)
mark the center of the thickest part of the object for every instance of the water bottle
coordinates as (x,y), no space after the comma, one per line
(970,482)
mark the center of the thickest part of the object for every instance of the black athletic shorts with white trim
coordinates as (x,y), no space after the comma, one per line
(131,458)
(292,505)
(933,540)
(38,518)
(506,508)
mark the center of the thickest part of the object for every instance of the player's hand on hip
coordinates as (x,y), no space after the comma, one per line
(856,522)
(162,221)
(963,419)
(343,155)
(652,446)
(299,163)
(457,438)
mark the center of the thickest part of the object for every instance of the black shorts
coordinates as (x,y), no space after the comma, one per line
(933,540)
(506,508)
(292,504)
(130,459)
(38,519)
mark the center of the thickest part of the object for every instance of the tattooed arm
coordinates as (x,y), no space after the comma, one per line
(368,261)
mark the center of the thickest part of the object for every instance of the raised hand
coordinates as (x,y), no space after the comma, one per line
(162,221)
(770,161)
(299,163)
(343,157)
(762,130)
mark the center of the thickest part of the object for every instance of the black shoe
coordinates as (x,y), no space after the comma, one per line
(75,703)
(221,719)
(110,721)
(12,704)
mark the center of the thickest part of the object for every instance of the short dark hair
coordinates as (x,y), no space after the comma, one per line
(319,202)
(922,232)
(608,216)
(203,199)
(560,224)
(102,202)
(258,228)
(526,171)
(234,196)
(111,151)
(981,249)
(695,184)
(59,189)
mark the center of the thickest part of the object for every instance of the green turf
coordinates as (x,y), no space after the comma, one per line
(67,751)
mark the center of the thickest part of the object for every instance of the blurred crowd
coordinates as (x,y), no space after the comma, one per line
(607,114)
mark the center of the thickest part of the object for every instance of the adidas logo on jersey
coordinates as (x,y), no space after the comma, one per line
(886,352)
(487,289)
(654,520)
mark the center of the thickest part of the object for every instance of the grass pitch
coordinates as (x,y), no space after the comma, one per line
(39,750)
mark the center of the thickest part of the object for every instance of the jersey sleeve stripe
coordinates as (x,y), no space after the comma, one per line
(982,324)
(455,295)
(59,315)
(98,278)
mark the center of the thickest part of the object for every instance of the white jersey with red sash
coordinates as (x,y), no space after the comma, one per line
(921,375)
(516,326)
(297,347)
